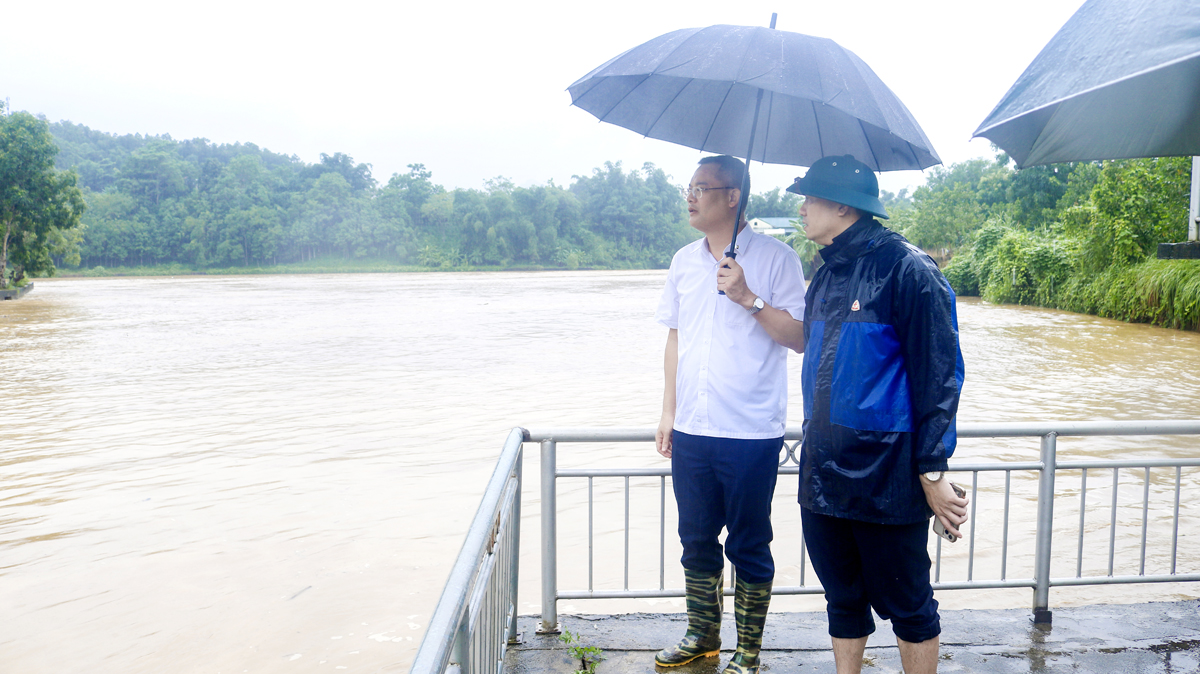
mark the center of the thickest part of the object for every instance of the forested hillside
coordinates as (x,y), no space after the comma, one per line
(1078,236)
(155,200)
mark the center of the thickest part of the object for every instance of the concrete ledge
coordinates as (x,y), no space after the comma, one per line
(16,293)
(1160,637)
(1189,250)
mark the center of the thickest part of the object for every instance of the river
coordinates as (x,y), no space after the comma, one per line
(274,473)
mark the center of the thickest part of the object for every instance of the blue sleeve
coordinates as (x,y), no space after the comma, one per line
(927,328)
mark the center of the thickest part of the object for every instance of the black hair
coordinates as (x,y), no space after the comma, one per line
(731,170)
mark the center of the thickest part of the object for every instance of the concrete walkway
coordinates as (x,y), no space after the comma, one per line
(1135,638)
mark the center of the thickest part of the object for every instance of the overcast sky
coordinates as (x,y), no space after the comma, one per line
(473,90)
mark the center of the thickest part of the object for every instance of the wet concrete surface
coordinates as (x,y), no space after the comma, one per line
(1153,638)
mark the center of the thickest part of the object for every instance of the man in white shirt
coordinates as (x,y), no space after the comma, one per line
(725,406)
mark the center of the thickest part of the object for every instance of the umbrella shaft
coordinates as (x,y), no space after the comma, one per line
(745,177)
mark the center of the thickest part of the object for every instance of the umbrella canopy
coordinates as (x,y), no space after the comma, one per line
(699,87)
(1121,79)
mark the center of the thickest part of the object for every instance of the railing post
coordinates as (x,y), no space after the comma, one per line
(462,645)
(549,623)
(515,577)
(1045,531)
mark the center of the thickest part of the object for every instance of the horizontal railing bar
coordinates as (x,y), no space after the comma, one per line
(669,593)
(1124,580)
(991,584)
(993,467)
(641,472)
(954,467)
(806,589)
(792,590)
(613,472)
(943,585)
(1128,463)
(1063,428)
(620,594)
(591,435)
(965,430)
(783,470)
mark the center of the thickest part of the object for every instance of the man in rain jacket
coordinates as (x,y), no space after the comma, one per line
(881,380)
(725,407)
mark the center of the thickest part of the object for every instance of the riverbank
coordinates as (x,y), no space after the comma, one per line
(312,267)
(1143,638)
(15,293)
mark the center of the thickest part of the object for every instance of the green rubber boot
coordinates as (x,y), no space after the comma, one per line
(750,602)
(705,602)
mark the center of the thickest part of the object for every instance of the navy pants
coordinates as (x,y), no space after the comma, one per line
(882,566)
(725,483)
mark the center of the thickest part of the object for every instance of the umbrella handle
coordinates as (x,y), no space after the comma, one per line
(731,256)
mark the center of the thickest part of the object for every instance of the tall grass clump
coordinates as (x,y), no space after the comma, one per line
(1095,253)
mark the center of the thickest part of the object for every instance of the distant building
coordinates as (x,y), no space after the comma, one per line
(772,226)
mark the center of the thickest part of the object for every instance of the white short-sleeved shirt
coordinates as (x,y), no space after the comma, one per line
(731,381)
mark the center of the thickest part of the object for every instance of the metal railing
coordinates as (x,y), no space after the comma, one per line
(476,617)
(1046,468)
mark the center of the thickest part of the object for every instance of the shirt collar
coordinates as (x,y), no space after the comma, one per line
(745,241)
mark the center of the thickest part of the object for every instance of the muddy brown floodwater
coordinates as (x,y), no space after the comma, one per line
(274,473)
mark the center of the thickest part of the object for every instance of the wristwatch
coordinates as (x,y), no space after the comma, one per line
(933,476)
(757,306)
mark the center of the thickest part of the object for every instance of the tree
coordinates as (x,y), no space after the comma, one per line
(640,213)
(773,204)
(37,202)
(153,173)
(357,176)
(895,201)
(953,203)
(247,221)
(1136,204)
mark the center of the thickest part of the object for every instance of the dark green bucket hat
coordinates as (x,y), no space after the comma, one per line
(844,180)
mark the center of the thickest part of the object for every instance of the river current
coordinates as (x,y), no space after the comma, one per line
(274,473)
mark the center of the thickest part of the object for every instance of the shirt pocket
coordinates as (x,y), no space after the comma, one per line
(735,316)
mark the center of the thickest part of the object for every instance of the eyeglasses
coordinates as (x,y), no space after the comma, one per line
(689,192)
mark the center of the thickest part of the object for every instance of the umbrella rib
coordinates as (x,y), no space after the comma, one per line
(766,133)
(716,116)
(591,84)
(664,110)
(740,73)
(916,157)
(870,147)
(622,99)
(817,124)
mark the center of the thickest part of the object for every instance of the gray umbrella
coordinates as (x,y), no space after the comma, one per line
(764,94)
(700,87)
(1121,79)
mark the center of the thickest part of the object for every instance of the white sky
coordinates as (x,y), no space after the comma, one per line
(473,90)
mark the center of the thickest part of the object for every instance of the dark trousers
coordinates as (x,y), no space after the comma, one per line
(882,566)
(725,483)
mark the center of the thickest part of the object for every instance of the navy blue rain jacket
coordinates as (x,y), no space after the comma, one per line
(881,379)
